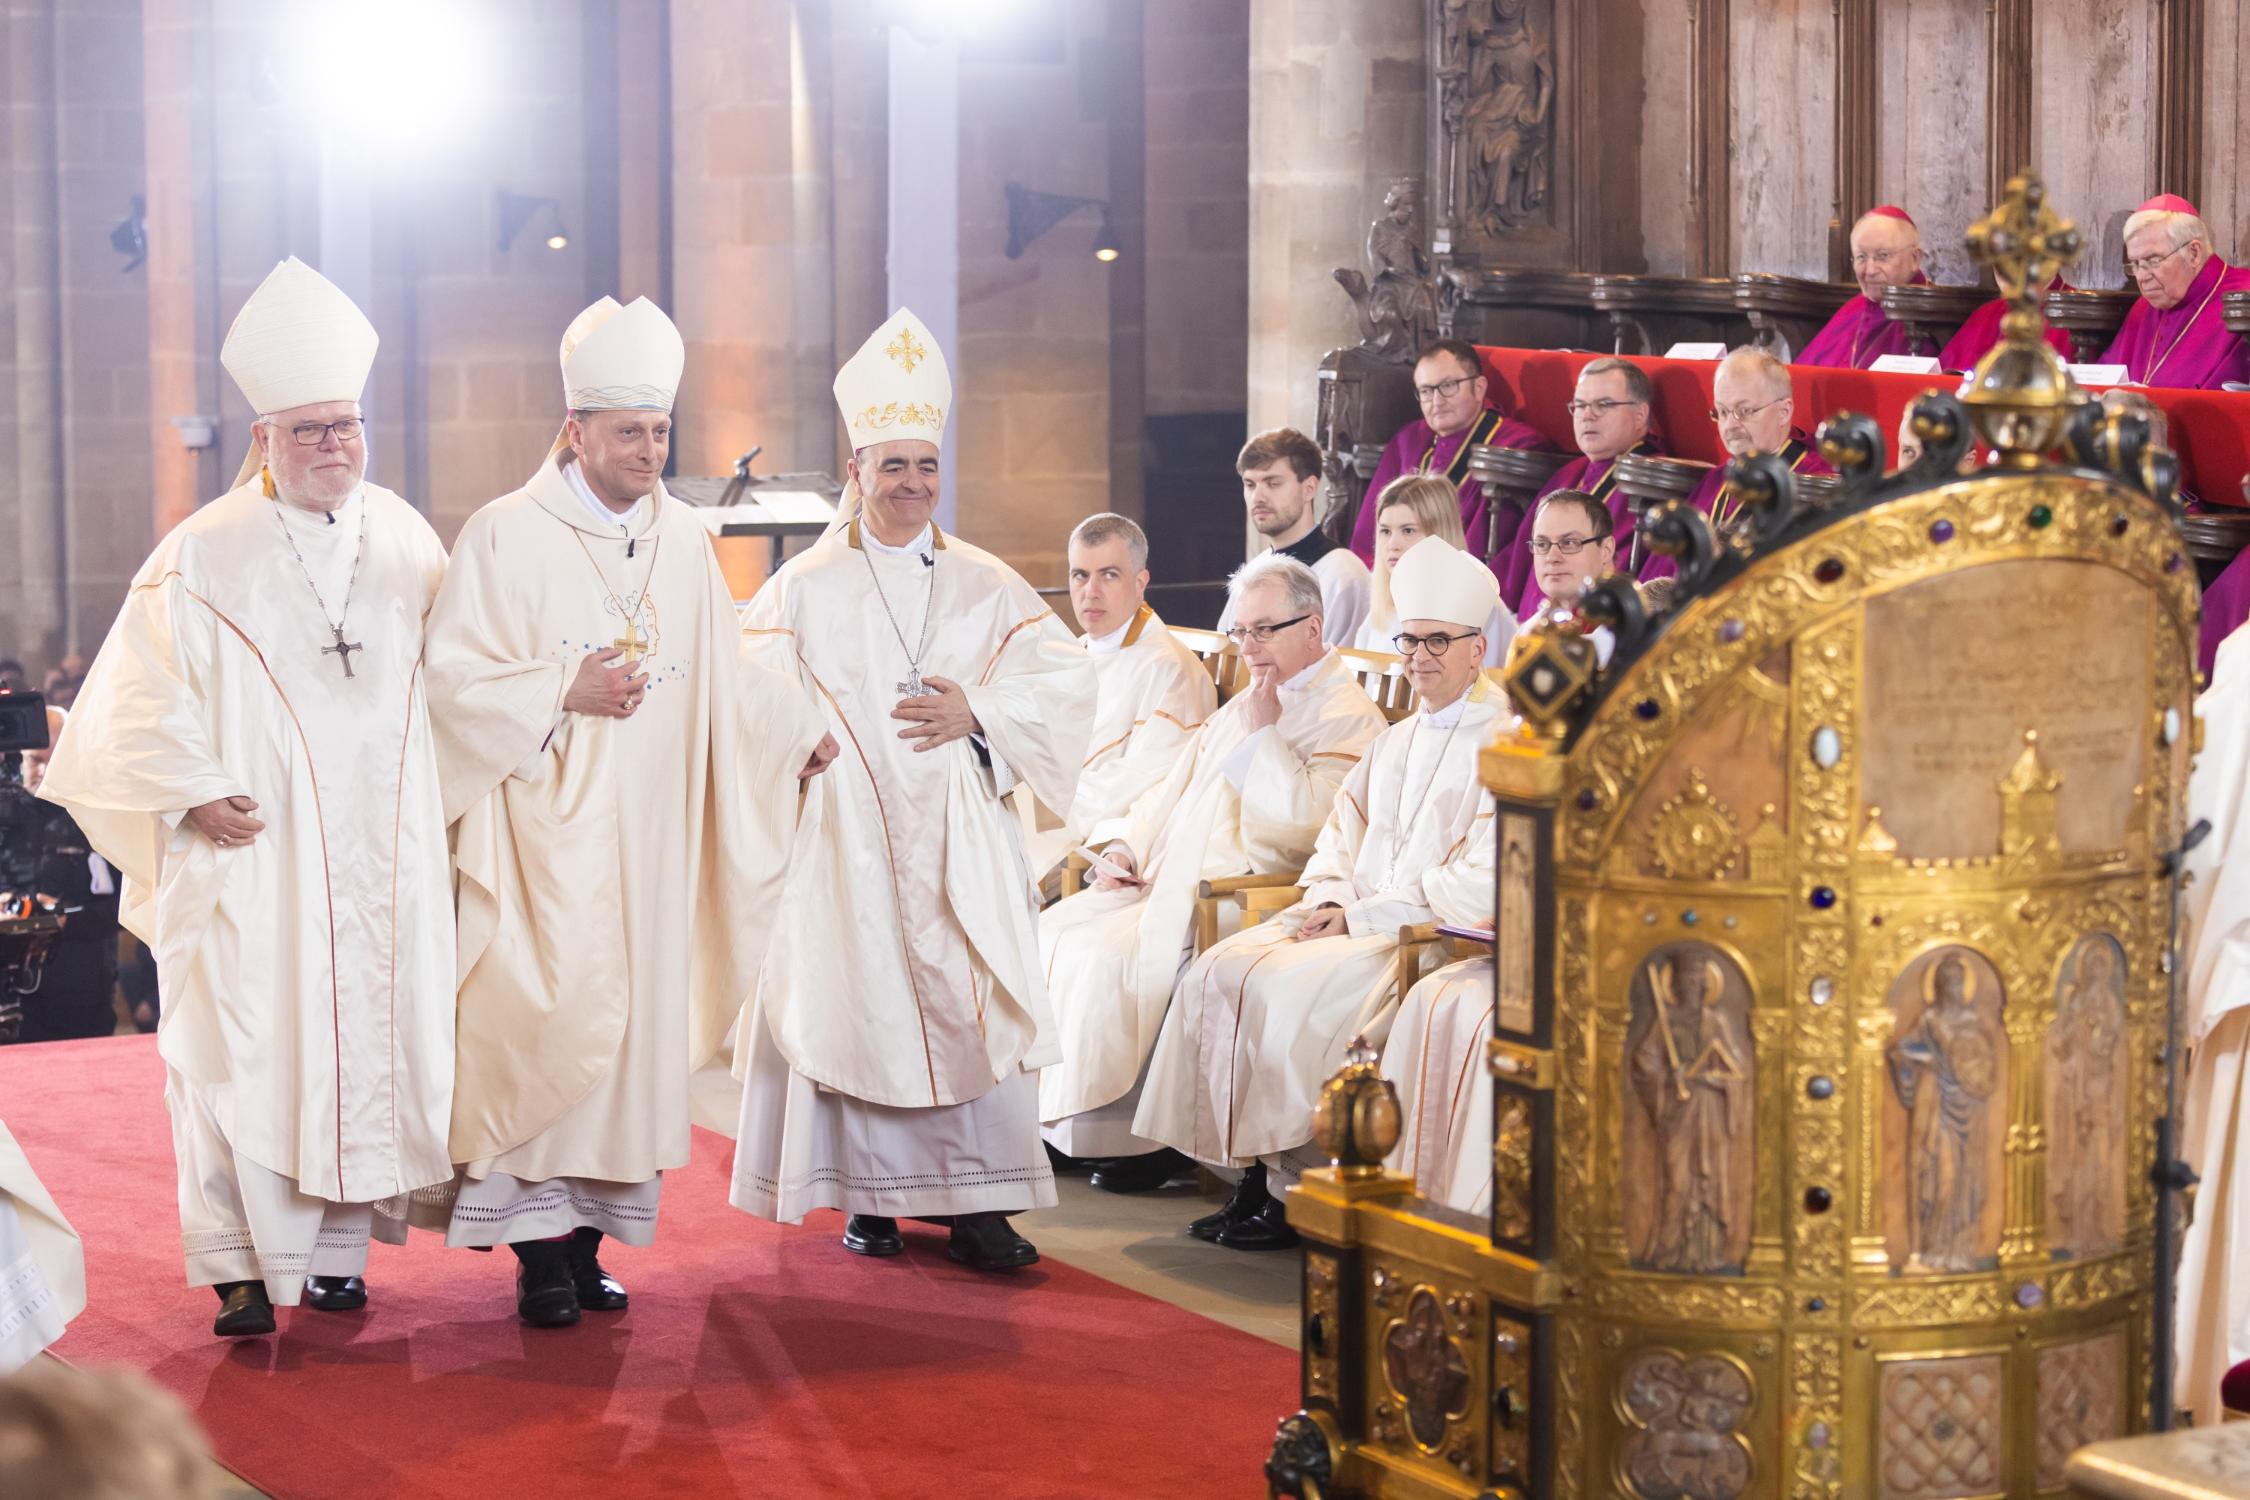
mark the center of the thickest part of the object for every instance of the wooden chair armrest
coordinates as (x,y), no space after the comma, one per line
(1261,902)
(1228,885)
(1074,868)
(1209,893)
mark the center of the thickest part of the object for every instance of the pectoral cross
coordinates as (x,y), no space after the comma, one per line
(914,687)
(631,642)
(342,650)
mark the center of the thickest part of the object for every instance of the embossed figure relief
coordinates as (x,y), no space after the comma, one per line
(1499,106)
(1519,909)
(1690,1105)
(1946,1117)
(1425,1366)
(1688,1416)
(2086,1103)
(1395,297)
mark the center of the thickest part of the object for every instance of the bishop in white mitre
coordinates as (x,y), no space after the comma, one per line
(2214,1282)
(1151,693)
(42,1265)
(1248,799)
(623,782)
(1435,1058)
(252,750)
(1261,1021)
(889,1052)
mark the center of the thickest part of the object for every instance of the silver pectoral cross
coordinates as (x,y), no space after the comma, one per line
(914,686)
(342,650)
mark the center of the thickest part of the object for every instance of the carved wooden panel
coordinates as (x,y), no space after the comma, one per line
(1783,69)
(1929,158)
(1942,1434)
(2088,1071)
(2093,132)
(1945,1114)
(1689,1097)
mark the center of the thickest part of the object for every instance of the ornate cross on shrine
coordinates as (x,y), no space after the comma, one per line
(342,650)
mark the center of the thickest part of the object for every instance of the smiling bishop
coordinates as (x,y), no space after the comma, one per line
(890,1051)
(622,782)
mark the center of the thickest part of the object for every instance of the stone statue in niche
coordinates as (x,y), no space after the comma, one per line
(2086,1065)
(1507,104)
(1947,1069)
(1395,297)
(1693,1075)
(1689,1415)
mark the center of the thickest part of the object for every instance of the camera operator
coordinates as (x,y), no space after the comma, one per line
(63,978)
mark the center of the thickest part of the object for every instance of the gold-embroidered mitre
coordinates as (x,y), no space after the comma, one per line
(896,386)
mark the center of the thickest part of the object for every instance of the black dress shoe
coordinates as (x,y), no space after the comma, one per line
(335,1293)
(1063,1163)
(1267,1229)
(598,1291)
(1250,1195)
(244,1310)
(1141,1174)
(986,1242)
(872,1234)
(546,1297)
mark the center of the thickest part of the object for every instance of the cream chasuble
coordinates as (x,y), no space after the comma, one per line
(1436,1059)
(1151,694)
(616,877)
(902,985)
(2214,1297)
(1238,803)
(1261,1021)
(42,1265)
(307,1026)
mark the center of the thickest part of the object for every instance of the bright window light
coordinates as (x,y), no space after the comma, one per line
(390,76)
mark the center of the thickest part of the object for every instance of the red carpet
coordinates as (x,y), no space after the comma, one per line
(755,1360)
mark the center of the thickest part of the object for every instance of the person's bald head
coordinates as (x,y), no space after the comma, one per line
(1886,252)
(1753,402)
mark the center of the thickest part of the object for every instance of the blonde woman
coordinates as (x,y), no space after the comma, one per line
(1415,508)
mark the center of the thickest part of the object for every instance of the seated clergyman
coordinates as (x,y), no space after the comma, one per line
(1260,1021)
(1435,1059)
(2177,333)
(1247,799)
(1755,408)
(1151,694)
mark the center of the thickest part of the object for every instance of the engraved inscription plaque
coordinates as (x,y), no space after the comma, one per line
(1960,667)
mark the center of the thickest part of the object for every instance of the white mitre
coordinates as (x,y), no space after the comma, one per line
(896,386)
(298,341)
(621,358)
(1435,580)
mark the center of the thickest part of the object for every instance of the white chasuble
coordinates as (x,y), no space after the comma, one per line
(1240,802)
(1261,1021)
(1436,1059)
(307,974)
(2214,1299)
(901,1004)
(1151,695)
(42,1265)
(616,877)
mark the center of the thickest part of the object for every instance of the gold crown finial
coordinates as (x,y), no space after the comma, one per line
(2020,395)
(2024,242)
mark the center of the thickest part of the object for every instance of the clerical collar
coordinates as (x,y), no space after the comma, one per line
(625,524)
(319,524)
(920,546)
(1450,715)
(1104,645)
(1303,679)
(1309,548)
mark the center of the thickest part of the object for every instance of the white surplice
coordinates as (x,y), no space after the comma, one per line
(1241,802)
(900,1009)
(308,1009)
(1261,1021)
(1151,694)
(1436,1058)
(42,1265)
(2214,1298)
(616,876)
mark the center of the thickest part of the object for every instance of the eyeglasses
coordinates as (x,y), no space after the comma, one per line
(1743,413)
(1434,644)
(312,434)
(1567,546)
(1262,633)
(1604,406)
(1444,390)
(1862,259)
(2148,263)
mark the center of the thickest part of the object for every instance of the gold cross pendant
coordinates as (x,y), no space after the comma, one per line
(631,642)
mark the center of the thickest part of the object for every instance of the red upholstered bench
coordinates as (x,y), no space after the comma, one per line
(2210,430)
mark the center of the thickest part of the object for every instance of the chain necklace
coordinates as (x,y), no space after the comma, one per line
(630,606)
(913,687)
(1398,803)
(343,649)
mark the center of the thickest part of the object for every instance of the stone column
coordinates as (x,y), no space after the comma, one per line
(38,593)
(1338,106)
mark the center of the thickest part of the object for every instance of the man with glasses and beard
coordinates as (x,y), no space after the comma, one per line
(1247,799)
